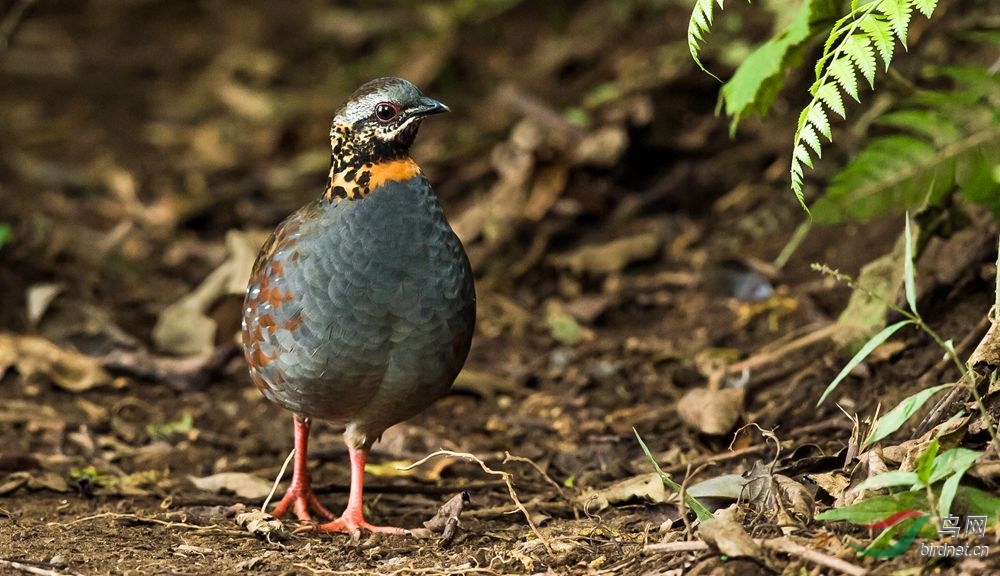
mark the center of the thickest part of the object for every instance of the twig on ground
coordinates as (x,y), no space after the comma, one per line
(749,450)
(277,480)
(436,571)
(506,476)
(787,546)
(509,458)
(33,569)
(777,351)
(676,547)
(137,518)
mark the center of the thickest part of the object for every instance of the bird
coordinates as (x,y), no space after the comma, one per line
(361,305)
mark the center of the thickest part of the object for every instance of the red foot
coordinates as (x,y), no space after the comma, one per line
(303,502)
(299,496)
(352,522)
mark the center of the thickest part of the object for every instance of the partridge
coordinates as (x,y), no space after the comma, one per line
(361,305)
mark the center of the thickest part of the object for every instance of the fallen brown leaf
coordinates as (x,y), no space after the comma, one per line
(36,357)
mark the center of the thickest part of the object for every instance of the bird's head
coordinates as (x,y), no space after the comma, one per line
(371,137)
(380,120)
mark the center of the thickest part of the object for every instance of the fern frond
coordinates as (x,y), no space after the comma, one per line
(898,13)
(810,137)
(843,72)
(849,50)
(699,25)
(899,172)
(858,47)
(829,95)
(881,37)
(926,7)
(950,139)
(933,125)
(816,116)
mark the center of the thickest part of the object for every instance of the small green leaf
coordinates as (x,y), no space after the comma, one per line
(909,275)
(890,479)
(898,14)
(699,509)
(948,491)
(926,7)
(858,48)
(829,95)
(700,24)
(881,36)
(858,358)
(876,508)
(5,234)
(954,464)
(817,117)
(168,429)
(925,463)
(893,419)
(564,328)
(954,461)
(842,71)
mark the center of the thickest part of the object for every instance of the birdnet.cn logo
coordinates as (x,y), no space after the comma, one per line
(951,526)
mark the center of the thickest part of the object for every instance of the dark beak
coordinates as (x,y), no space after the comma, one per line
(427,107)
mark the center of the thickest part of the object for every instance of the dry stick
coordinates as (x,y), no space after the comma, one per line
(274,487)
(436,571)
(815,556)
(675,547)
(119,516)
(772,354)
(741,452)
(509,458)
(31,569)
(506,479)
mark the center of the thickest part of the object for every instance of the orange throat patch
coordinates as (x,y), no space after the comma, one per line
(357,182)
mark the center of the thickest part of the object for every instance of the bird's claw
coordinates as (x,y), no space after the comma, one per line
(304,503)
(351,524)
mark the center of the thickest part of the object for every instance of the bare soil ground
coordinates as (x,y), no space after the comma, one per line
(620,240)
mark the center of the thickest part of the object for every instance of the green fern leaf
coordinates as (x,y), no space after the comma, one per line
(842,71)
(829,95)
(926,7)
(880,33)
(901,172)
(933,125)
(817,117)
(898,13)
(699,25)
(893,172)
(810,137)
(836,33)
(977,85)
(858,48)
(801,153)
(983,186)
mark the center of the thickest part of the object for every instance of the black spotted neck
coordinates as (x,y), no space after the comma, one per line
(361,164)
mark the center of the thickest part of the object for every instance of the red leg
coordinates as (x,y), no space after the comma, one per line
(299,495)
(353,520)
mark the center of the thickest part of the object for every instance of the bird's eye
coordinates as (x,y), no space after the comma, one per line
(386,111)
